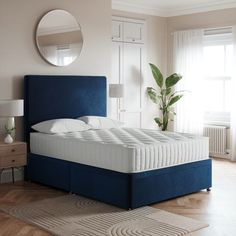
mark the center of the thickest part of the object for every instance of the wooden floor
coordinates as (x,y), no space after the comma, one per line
(217,208)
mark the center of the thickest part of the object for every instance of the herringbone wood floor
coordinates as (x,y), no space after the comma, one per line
(218,208)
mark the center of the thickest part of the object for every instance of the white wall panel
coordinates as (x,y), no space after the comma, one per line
(127,68)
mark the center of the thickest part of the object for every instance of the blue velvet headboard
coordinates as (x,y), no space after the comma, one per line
(52,97)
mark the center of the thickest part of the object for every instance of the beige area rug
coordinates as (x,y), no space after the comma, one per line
(72,215)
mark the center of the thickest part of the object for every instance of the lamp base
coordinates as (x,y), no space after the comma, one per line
(10,125)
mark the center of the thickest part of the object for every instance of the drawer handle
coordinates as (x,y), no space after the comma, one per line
(13,150)
(13,160)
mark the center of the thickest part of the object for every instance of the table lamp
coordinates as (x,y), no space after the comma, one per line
(11,109)
(116,91)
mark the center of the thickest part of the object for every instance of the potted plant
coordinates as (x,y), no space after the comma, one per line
(165,97)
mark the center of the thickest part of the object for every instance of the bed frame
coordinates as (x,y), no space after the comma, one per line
(51,97)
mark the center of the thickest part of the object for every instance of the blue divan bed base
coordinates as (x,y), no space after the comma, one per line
(127,191)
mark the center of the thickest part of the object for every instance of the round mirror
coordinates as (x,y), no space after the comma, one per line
(59,38)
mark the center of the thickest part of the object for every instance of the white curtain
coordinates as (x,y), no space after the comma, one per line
(188,61)
(233,110)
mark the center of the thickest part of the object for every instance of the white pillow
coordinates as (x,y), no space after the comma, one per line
(99,122)
(60,126)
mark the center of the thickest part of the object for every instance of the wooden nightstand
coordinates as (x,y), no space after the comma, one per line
(12,156)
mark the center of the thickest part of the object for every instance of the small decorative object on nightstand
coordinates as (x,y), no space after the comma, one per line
(12,156)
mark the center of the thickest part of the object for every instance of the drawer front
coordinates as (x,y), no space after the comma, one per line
(13,161)
(10,150)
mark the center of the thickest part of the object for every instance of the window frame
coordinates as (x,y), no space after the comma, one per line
(214,38)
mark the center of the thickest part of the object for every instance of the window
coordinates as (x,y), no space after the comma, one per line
(218,67)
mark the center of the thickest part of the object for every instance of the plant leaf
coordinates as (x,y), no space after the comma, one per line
(172,112)
(172,80)
(176,93)
(165,92)
(152,94)
(162,92)
(168,91)
(158,121)
(157,75)
(174,100)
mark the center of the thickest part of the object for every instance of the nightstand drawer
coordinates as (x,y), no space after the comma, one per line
(13,161)
(13,149)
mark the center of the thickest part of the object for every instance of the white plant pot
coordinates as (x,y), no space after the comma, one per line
(8,139)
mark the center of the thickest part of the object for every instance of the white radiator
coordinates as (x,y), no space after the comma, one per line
(217,140)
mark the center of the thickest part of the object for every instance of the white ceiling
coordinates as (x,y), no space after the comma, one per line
(168,8)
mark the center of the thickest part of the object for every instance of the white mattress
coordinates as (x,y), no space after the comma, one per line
(124,150)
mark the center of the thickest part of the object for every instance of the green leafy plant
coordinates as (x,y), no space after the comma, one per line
(165,97)
(9,130)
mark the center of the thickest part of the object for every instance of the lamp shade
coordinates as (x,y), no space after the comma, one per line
(116,90)
(11,108)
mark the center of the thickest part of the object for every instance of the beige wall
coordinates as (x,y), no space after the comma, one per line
(211,19)
(19,56)
(156,52)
